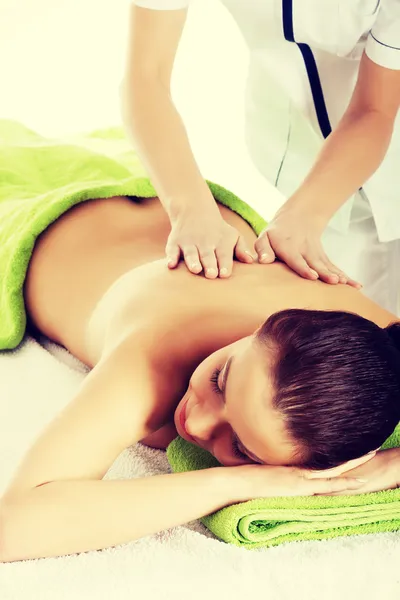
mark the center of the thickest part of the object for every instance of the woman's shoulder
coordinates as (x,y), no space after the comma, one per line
(349,299)
(145,303)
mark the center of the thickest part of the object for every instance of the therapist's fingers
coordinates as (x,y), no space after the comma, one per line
(317,259)
(325,274)
(328,272)
(264,249)
(209,262)
(192,259)
(355,284)
(225,262)
(343,277)
(173,254)
(242,252)
(289,254)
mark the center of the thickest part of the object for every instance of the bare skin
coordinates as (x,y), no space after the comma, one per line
(114,261)
(98,284)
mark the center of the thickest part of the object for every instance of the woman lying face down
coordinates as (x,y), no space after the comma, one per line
(316,386)
(311,388)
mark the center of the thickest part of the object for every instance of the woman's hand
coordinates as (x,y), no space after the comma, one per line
(294,236)
(382,472)
(206,242)
(261,481)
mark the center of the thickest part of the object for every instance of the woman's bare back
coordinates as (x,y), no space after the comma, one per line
(78,258)
(106,256)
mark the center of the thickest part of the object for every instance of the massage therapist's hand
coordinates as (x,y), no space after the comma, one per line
(294,237)
(206,242)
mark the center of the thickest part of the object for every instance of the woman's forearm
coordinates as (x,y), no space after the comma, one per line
(161,141)
(65,517)
(350,155)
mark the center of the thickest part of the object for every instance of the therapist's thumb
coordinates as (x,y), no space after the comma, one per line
(264,249)
(173,254)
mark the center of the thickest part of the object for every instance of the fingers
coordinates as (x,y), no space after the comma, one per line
(173,253)
(209,263)
(336,485)
(304,485)
(192,259)
(313,266)
(264,249)
(343,278)
(298,263)
(225,263)
(208,246)
(242,252)
(355,284)
(213,262)
(326,270)
(340,469)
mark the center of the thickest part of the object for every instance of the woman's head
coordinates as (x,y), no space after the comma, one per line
(312,388)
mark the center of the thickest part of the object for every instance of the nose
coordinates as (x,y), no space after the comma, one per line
(202,423)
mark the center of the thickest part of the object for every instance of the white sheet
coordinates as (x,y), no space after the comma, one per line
(35,383)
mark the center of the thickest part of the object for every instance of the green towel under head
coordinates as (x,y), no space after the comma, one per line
(41,178)
(268,522)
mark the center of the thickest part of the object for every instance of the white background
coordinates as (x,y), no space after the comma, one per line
(62,61)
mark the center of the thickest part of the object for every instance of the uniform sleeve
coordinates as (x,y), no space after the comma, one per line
(162,4)
(383,43)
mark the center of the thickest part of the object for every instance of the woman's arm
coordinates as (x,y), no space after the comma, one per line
(57,504)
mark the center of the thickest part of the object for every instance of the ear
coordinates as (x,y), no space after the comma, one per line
(343,468)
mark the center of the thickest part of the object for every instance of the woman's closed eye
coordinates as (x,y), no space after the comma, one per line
(235,448)
(237,452)
(214,381)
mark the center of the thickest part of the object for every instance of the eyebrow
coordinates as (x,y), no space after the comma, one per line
(223,390)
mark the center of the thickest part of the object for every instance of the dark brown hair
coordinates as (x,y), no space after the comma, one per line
(336,380)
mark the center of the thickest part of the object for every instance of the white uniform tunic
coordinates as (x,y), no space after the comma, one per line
(304,61)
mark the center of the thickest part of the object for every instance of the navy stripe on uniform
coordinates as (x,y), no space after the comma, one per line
(311,68)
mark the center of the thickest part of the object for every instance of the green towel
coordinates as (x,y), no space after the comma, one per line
(265,522)
(41,178)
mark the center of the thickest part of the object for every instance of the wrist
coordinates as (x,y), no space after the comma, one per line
(232,484)
(302,207)
(190,205)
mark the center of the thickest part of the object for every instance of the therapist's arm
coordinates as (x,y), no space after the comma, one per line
(350,155)
(149,113)
(358,145)
(198,232)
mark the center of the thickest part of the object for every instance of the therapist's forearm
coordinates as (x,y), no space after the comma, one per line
(162,143)
(350,155)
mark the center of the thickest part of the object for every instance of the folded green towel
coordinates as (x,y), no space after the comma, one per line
(41,178)
(268,522)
